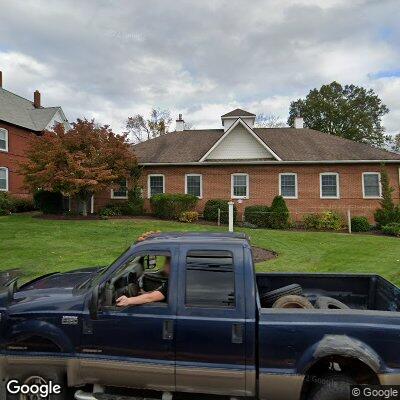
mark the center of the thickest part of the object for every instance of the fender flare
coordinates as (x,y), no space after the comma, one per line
(43,329)
(339,345)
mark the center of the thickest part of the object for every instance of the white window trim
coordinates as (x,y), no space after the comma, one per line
(6,132)
(337,185)
(247,186)
(120,197)
(201,184)
(7,180)
(296,196)
(380,185)
(148,183)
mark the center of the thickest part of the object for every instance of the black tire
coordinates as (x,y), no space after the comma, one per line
(269,298)
(293,301)
(36,376)
(333,386)
(329,303)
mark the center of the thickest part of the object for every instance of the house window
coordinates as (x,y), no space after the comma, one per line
(193,185)
(372,188)
(329,182)
(288,185)
(3,179)
(156,184)
(122,191)
(240,186)
(210,279)
(3,139)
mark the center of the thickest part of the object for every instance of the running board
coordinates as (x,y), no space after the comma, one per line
(81,395)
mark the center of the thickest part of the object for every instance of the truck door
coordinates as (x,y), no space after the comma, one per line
(134,346)
(210,341)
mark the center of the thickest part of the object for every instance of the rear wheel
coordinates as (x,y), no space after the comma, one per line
(269,298)
(331,387)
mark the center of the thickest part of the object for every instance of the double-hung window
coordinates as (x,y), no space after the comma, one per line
(121,192)
(3,139)
(288,185)
(329,185)
(156,184)
(193,185)
(3,179)
(371,183)
(240,186)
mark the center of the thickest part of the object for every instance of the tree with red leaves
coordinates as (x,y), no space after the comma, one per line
(80,162)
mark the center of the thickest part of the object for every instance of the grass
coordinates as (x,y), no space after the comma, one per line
(40,246)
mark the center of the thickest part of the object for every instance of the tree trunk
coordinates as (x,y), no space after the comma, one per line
(84,208)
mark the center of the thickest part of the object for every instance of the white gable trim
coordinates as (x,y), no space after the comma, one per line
(239,121)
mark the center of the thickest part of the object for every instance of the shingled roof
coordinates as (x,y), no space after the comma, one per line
(19,111)
(238,112)
(290,144)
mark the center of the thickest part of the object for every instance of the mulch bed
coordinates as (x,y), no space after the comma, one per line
(260,254)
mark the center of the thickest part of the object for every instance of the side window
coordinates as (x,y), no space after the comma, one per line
(156,184)
(122,191)
(3,139)
(210,279)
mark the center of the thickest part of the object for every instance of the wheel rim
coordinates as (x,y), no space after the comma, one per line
(34,380)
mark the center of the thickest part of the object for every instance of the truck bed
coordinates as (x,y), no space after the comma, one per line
(365,292)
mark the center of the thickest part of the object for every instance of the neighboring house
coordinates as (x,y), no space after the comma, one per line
(20,119)
(313,171)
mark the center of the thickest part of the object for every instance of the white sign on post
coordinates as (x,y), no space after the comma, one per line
(230,208)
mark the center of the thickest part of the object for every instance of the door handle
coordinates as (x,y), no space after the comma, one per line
(168,330)
(237,333)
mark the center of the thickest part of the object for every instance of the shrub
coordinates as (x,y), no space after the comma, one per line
(210,212)
(21,204)
(135,205)
(48,202)
(384,216)
(392,229)
(360,224)
(259,216)
(6,204)
(328,220)
(110,210)
(189,216)
(171,206)
(279,213)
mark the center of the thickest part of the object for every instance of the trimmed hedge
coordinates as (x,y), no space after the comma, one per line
(171,206)
(6,203)
(210,212)
(274,217)
(392,229)
(329,220)
(48,202)
(360,224)
(10,204)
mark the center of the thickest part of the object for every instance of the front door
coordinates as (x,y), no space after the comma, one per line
(210,345)
(135,346)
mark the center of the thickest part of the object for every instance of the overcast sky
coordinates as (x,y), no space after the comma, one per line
(113,59)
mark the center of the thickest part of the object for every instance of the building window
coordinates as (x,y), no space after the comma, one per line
(240,186)
(156,184)
(194,185)
(210,279)
(372,188)
(3,179)
(329,182)
(288,185)
(3,139)
(122,191)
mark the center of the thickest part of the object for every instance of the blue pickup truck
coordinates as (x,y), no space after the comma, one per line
(220,331)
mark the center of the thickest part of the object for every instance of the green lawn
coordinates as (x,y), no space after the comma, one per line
(39,246)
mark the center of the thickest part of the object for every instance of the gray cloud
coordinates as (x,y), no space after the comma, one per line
(112,59)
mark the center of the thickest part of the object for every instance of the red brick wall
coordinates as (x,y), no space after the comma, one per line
(264,185)
(18,143)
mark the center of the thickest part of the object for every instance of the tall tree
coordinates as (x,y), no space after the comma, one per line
(396,143)
(140,128)
(269,121)
(80,162)
(351,112)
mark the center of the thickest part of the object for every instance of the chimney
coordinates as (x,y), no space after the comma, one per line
(1,79)
(36,99)
(299,123)
(180,124)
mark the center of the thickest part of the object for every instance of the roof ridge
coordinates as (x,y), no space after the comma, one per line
(17,95)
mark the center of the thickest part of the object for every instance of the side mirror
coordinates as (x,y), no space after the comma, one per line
(94,303)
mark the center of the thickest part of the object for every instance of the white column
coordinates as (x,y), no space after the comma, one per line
(230,208)
(92,204)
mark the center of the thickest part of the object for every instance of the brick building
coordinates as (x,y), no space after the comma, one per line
(20,119)
(313,171)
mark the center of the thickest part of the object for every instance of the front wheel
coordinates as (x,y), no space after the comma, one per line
(35,385)
(332,387)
